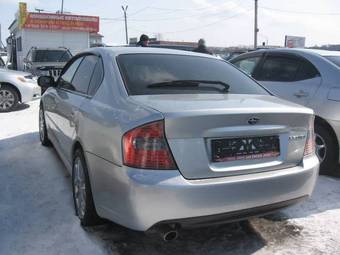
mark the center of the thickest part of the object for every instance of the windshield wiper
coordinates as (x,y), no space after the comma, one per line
(189,84)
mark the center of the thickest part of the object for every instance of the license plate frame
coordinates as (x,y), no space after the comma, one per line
(245,148)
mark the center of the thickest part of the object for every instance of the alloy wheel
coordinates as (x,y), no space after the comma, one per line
(321,148)
(7,99)
(79,188)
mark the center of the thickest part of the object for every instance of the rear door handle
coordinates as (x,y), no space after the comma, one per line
(301,93)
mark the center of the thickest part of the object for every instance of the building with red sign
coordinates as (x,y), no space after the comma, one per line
(48,30)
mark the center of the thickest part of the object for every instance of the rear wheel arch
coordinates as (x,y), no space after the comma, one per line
(14,87)
(92,218)
(329,165)
(78,146)
(322,122)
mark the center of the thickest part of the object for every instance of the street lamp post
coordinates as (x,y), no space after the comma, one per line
(62,6)
(256,29)
(125,19)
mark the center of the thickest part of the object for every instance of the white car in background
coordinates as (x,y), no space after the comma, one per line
(307,77)
(16,87)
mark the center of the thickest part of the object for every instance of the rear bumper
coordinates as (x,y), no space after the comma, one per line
(140,199)
(232,216)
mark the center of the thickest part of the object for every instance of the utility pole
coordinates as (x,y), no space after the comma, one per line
(0,38)
(126,31)
(256,29)
(62,6)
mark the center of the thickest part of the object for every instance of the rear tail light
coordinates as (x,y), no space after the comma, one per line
(310,141)
(146,147)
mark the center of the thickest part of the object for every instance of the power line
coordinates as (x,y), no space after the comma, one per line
(197,27)
(300,12)
(200,15)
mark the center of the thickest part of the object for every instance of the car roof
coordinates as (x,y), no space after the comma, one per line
(116,51)
(57,48)
(323,53)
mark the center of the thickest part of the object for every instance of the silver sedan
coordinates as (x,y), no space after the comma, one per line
(307,77)
(163,138)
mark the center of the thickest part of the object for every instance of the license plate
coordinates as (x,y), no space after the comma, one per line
(246,148)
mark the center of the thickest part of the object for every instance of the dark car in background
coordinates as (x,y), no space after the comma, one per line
(46,61)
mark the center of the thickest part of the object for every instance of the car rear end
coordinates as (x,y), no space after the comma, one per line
(211,156)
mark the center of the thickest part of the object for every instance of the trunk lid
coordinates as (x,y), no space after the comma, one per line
(193,122)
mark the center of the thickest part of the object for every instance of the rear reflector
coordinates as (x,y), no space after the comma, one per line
(310,142)
(146,147)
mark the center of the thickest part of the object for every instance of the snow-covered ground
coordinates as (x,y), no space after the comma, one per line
(37,216)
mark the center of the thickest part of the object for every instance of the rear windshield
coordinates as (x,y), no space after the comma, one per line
(141,71)
(334,59)
(51,56)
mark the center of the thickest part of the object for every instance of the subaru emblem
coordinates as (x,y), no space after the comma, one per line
(253,121)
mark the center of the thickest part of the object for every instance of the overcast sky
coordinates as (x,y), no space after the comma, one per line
(220,22)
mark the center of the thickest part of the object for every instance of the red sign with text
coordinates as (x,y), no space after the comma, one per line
(66,22)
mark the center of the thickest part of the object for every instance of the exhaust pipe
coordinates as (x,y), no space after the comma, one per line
(168,233)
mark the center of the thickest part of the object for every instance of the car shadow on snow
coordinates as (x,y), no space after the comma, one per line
(233,238)
(21,107)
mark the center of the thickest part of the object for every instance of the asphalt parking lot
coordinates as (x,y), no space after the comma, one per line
(37,215)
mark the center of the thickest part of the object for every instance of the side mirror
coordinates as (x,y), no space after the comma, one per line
(46,82)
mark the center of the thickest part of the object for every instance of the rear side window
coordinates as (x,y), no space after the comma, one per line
(82,77)
(279,69)
(141,71)
(248,65)
(51,56)
(97,77)
(306,71)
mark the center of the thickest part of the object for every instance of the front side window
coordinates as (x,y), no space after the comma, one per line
(146,74)
(248,65)
(65,80)
(82,77)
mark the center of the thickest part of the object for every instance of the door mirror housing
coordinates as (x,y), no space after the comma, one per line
(46,82)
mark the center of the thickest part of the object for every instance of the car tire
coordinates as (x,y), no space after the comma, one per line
(9,98)
(43,129)
(82,194)
(326,149)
